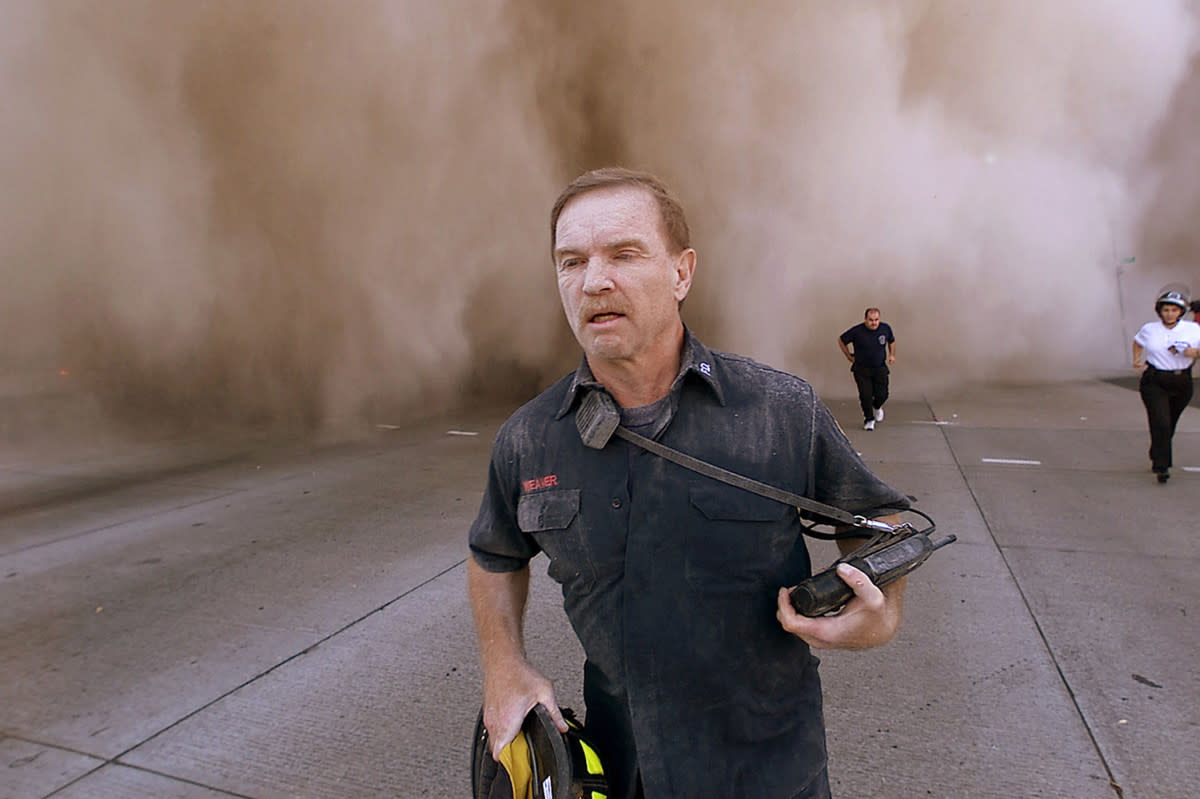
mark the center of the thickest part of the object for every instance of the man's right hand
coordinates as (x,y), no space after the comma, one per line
(870,619)
(510,691)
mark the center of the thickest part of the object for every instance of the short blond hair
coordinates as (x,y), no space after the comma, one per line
(674,222)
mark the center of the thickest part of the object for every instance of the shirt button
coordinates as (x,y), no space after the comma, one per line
(616,503)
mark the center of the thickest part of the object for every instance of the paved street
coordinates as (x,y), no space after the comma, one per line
(223,616)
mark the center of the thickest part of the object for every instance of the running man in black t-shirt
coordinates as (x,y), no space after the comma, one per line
(870,348)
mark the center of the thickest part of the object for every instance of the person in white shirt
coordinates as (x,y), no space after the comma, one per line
(1164,351)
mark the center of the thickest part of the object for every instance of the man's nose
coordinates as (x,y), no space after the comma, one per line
(597,277)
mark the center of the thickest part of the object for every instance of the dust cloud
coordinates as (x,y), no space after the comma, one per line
(311,215)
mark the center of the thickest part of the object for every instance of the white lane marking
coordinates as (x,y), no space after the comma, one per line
(1191,468)
(461,433)
(1011,461)
(926,421)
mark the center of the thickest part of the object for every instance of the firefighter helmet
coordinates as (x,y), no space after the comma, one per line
(540,763)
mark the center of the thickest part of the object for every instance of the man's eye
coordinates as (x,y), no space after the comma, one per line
(626,255)
(569,263)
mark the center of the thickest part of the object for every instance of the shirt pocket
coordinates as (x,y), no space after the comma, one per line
(737,541)
(552,519)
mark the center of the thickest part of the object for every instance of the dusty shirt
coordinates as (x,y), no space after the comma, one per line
(670,578)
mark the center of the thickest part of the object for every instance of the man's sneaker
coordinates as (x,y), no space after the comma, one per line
(869,424)
(879,414)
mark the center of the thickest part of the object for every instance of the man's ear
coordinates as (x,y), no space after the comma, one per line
(685,268)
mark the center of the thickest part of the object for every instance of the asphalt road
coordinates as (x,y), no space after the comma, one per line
(215,617)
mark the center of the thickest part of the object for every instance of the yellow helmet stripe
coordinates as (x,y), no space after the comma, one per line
(592,759)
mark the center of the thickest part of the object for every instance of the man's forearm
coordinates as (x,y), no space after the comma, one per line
(498,603)
(511,686)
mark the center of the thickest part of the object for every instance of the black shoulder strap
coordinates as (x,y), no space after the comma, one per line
(748,484)
(597,418)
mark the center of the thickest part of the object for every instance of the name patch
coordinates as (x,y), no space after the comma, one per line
(540,482)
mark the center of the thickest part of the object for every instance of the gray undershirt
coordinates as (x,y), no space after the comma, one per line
(648,420)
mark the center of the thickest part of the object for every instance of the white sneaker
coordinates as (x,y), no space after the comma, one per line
(879,414)
(869,424)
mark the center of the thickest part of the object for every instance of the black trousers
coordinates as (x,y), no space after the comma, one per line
(1165,395)
(872,382)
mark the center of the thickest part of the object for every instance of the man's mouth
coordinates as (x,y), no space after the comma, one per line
(601,318)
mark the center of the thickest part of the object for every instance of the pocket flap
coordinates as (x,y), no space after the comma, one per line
(547,510)
(727,503)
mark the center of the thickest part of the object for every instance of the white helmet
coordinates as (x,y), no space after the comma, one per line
(1171,297)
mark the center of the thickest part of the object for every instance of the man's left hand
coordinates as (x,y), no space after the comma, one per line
(870,619)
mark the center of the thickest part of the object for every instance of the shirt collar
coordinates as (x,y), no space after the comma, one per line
(697,360)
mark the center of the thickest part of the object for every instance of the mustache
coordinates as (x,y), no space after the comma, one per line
(593,309)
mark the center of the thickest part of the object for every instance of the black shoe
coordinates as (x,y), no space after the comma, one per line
(1163,477)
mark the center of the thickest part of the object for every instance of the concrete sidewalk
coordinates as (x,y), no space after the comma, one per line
(232,618)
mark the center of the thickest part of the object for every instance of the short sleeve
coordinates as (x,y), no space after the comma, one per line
(1142,338)
(495,539)
(840,478)
(1195,337)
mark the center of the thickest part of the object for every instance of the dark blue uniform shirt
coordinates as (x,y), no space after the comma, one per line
(670,578)
(870,346)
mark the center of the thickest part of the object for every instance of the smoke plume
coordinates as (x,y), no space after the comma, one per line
(302,214)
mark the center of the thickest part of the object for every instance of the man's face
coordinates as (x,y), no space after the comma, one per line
(620,285)
(872,320)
